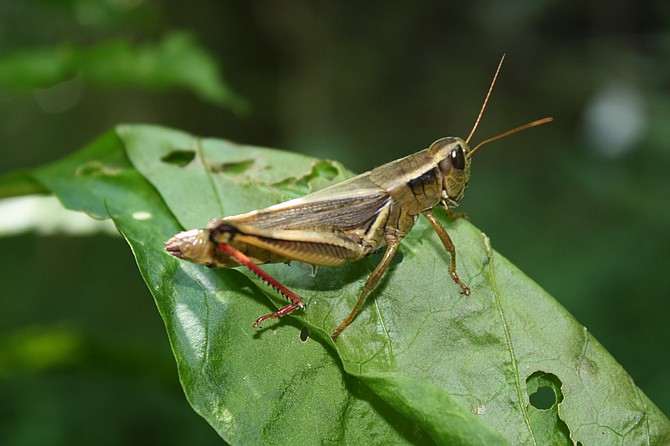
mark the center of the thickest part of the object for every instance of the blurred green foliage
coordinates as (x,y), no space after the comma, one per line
(579,205)
(177,61)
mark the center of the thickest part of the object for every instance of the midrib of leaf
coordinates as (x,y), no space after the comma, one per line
(510,343)
(208,173)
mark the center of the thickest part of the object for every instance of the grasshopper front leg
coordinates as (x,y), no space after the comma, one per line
(449,246)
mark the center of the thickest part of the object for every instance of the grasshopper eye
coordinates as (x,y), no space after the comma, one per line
(458,158)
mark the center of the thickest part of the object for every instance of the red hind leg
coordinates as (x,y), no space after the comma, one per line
(242,259)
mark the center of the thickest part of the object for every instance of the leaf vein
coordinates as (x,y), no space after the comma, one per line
(208,173)
(510,344)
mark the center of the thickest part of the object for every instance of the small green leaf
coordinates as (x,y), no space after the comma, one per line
(421,362)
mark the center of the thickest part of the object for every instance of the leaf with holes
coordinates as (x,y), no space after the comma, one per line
(437,366)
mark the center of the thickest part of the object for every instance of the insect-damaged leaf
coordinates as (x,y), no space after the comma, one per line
(269,389)
(456,369)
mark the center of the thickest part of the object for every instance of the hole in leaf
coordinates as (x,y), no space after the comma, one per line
(325,170)
(544,398)
(232,167)
(97,169)
(299,186)
(544,390)
(304,334)
(180,158)
(320,169)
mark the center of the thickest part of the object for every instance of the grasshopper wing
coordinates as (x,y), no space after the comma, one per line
(337,224)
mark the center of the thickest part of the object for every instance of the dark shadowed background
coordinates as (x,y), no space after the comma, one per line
(579,205)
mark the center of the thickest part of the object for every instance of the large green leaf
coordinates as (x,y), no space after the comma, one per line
(271,389)
(436,365)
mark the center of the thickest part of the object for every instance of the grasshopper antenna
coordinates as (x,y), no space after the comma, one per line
(486,99)
(510,132)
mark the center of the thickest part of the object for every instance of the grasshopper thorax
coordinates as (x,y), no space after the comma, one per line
(451,157)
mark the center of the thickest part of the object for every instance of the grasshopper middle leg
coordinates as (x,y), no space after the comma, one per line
(370,285)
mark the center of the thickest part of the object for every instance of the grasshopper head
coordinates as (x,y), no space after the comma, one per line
(452,158)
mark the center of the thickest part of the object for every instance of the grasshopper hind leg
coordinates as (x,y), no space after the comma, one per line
(242,259)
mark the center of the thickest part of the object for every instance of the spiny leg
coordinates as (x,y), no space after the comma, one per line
(370,285)
(449,246)
(242,259)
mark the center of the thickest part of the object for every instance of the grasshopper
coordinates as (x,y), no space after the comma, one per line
(346,221)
